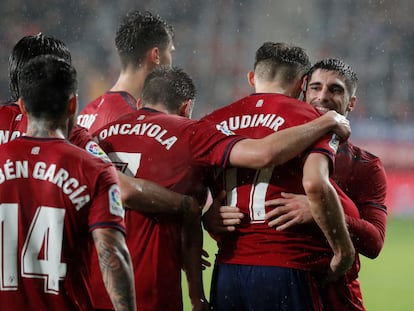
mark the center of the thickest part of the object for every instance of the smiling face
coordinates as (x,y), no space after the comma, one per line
(326,90)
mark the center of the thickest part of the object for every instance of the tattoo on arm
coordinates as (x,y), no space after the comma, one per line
(116,267)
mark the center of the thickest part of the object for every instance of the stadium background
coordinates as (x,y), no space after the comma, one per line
(215,43)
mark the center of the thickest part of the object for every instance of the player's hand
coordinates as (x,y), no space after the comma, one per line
(342,128)
(220,219)
(204,261)
(289,210)
(340,264)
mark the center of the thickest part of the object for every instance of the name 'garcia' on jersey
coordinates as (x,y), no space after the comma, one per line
(149,129)
(77,194)
(271,121)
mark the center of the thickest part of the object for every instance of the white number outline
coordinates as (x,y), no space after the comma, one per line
(45,232)
(132,159)
(258,191)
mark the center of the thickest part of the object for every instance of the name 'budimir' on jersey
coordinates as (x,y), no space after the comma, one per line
(149,129)
(271,121)
(77,194)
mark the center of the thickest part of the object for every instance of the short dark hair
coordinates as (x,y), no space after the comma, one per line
(281,60)
(46,85)
(170,86)
(29,47)
(139,32)
(340,67)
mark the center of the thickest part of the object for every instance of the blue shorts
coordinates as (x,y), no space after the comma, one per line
(263,288)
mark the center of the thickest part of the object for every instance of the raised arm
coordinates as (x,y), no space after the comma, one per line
(327,212)
(279,147)
(116,267)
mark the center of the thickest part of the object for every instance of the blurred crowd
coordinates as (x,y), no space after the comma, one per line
(215,42)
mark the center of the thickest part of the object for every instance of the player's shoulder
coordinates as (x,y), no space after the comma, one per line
(10,107)
(359,155)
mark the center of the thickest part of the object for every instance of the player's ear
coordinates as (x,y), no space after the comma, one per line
(352,103)
(139,103)
(304,83)
(250,78)
(186,108)
(73,105)
(20,103)
(154,55)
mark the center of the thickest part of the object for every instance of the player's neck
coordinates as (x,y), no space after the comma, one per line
(131,82)
(274,87)
(46,129)
(158,107)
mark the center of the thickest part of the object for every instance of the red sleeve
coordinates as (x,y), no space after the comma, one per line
(362,177)
(107,210)
(79,136)
(211,143)
(368,233)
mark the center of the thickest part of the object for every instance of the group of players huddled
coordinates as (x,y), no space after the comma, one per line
(102,209)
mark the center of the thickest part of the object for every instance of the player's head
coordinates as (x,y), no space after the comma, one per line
(48,88)
(170,87)
(29,47)
(331,85)
(142,36)
(287,64)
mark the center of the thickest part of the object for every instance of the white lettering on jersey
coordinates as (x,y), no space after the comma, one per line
(6,136)
(77,194)
(271,121)
(14,170)
(60,177)
(86,120)
(151,130)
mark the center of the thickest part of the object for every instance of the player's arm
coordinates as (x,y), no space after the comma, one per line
(327,212)
(116,267)
(367,232)
(279,147)
(148,197)
(191,254)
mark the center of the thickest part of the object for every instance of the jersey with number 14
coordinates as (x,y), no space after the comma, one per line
(254,243)
(52,195)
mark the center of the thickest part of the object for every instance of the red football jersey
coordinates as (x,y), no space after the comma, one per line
(254,243)
(168,150)
(362,177)
(12,123)
(105,109)
(52,195)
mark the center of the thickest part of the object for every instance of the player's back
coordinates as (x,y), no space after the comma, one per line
(166,149)
(46,213)
(105,109)
(256,116)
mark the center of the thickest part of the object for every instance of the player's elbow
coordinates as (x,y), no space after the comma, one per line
(314,187)
(372,249)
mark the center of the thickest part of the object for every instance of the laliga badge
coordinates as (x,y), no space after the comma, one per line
(115,204)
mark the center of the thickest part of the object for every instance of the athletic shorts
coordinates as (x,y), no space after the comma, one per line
(263,288)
